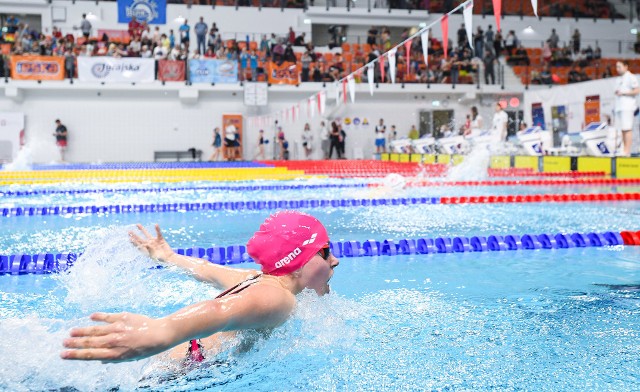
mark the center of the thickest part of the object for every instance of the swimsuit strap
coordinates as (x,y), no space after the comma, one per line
(194,352)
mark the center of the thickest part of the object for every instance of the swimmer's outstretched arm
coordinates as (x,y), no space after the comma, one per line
(130,337)
(158,248)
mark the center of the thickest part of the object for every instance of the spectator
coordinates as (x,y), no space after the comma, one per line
(627,89)
(261,142)
(497,44)
(284,145)
(264,45)
(291,37)
(160,52)
(488,37)
(156,39)
(413,133)
(576,41)
(607,73)
(335,140)
(244,64)
(588,53)
(230,141)
(165,43)
(476,121)
(299,40)
(134,27)
(184,34)
(135,47)
(597,53)
(553,39)
(69,63)
(201,29)
(85,26)
(307,140)
(510,42)
(217,144)
(478,42)
(146,52)
(546,51)
(253,63)
(500,120)
(372,35)
(324,139)
(462,35)
(211,40)
(289,55)
(342,137)
(61,135)
(172,39)
(306,62)
(520,57)
(392,135)
(545,76)
(380,130)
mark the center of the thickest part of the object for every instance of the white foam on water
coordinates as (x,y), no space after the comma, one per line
(474,165)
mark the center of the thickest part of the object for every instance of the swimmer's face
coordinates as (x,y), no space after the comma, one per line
(621,68)
(317,272)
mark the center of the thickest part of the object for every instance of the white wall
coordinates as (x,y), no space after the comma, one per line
(128,123)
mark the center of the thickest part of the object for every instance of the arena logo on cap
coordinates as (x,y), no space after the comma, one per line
(288,258)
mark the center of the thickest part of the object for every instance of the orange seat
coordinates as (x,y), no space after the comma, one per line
(328,57)
(348,57)
(355,48)
(346,47)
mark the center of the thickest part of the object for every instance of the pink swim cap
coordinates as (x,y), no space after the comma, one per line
(286,241)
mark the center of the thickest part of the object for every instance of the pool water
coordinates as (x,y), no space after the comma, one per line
(563,319)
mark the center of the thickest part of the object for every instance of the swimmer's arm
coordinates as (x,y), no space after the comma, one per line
(129,337)
(158,248)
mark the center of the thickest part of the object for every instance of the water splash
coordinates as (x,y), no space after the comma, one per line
(474,166)
(34,151)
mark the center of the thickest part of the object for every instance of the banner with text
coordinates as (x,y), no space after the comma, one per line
(37,68)
(171,71)
(110,69)
(150,11)
(285,73)
(213,71)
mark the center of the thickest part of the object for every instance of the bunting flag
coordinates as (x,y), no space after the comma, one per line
(344,90)
(444,23)
(370,77)
(497,11)
(352,88)
(424,38)
(392,64)
(467,11)
(407,54)
(382,73)
(322,102)
(310,105)
(534,4)
(293,114)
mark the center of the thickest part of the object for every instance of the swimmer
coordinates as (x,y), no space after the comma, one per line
(293,251)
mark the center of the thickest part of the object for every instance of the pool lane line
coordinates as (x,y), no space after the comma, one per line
(42,263)
(181,189)
(314,203)
(423,183)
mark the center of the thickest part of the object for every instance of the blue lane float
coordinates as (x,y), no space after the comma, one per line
(44,263)
(227,206)
(247,188)
(149,165)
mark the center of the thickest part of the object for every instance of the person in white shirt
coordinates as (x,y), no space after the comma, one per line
(476,122)
(307,140)
(500,120)
(159,53)
(626,91)
(325,139)
(145,53)
(380,137)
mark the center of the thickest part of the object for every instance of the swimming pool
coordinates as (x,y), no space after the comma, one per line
(545,319)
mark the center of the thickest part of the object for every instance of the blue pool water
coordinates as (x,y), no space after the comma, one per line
(564,319)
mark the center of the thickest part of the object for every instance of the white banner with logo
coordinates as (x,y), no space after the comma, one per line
(110,69)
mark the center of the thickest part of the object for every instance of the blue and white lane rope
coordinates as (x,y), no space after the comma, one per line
(43,263)
(180,189)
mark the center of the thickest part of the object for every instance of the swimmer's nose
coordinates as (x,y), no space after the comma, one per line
(334,261)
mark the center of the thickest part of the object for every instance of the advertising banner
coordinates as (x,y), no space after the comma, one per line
(37,68)
(110,69)
(285,73)
(591,109)
(150,11)
(213,71)
(171,71)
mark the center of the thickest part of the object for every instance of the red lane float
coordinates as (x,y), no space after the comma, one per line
(631,238)
(554,182)
(362,168)
(560,198)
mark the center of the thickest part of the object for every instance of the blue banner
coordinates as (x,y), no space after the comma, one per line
(213,71)
(150,11)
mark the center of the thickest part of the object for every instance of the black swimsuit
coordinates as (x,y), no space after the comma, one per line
(194,352)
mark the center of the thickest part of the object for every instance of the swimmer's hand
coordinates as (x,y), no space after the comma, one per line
(154,247)
(125,337)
